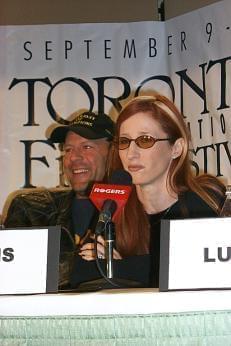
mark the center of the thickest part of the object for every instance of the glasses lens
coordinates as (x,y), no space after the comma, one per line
(123,143)
(145,142)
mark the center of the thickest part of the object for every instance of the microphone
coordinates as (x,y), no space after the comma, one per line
(110,198)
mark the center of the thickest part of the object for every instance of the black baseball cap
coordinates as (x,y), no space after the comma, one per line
(88,125)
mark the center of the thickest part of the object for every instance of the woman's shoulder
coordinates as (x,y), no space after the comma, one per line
(192,199)
(191,205)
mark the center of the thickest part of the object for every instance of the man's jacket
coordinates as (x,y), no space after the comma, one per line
(41,208)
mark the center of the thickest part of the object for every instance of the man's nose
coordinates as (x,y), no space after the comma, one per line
(76,154)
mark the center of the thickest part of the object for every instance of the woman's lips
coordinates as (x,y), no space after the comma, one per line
(135,168)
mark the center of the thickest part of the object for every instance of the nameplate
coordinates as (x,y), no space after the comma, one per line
(195,254)
(29,260)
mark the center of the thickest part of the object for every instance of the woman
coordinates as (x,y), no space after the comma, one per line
(152,144)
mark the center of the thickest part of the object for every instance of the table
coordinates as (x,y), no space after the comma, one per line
(117,317)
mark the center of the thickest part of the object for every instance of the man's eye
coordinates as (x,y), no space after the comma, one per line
(87,146)
(67,150)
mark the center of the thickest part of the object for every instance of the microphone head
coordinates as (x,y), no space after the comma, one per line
(120,177)
(117,190)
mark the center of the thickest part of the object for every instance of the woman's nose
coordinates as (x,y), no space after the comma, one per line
(133,150)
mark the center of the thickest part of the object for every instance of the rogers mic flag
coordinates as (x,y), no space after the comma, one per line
(114,195)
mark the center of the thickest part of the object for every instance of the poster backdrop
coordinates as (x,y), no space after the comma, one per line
(49,72)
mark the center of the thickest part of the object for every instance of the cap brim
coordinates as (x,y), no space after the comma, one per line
(59,133)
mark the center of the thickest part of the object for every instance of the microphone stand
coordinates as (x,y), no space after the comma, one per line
(108,281)
(109,241)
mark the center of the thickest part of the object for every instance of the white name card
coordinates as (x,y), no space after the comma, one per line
(29,260)
(195,254)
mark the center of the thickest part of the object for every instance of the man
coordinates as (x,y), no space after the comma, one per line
(86,142)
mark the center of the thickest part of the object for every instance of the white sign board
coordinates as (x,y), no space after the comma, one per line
(29,260)
(195,254)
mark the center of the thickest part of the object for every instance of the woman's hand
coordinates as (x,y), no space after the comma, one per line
(87,251)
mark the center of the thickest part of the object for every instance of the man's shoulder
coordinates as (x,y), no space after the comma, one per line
(36,206)
(41,194)
(36,198)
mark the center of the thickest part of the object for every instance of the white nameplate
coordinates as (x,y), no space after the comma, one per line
(195,254)
(29,260)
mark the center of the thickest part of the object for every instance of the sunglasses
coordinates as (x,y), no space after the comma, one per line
(143,142)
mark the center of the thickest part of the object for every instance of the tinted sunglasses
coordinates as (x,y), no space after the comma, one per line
(143,142)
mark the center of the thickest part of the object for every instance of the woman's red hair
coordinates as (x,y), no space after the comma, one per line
(132,228)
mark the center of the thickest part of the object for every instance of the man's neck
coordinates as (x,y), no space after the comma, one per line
(81,195)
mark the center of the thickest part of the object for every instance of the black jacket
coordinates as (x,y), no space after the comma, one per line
(46,208)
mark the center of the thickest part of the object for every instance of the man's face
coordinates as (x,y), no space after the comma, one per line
(84,161)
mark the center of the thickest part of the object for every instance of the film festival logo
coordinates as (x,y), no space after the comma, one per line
(220,149)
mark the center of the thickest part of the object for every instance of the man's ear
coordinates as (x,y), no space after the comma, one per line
(177,148)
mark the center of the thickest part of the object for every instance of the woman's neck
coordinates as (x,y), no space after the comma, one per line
(155,199)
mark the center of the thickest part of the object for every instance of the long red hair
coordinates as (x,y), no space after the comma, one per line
(132,228)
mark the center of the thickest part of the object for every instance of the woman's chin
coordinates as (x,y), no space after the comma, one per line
(137,181)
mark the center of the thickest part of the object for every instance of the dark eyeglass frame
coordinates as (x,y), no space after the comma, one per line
(139,142)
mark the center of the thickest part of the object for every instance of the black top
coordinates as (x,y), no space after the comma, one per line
(82,211)
(145,269)
(189,206)
(155,220)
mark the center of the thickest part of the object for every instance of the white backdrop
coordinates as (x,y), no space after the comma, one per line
(49,72)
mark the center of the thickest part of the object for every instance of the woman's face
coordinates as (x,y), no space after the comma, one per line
(146,166)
